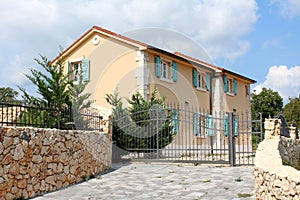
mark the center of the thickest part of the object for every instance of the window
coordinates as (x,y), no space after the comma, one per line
(166,70)
(79,68)
(235,126)
(230,85)
(203,125)
(201,80)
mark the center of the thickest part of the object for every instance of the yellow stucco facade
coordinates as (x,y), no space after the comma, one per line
(117,62)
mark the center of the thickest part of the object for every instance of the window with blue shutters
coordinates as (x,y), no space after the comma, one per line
(230,85)
(158,66)
(86,70)
(225,84)
(209,125)
(196,124)
(77,69)
(175,121)
(166,70)
(226,126)
(195,78)
(236,126)
(201,80)
(200,124)
(69,71)
(174,71)
(235,90)
(207,82)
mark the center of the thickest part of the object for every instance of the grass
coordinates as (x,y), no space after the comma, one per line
(206,181)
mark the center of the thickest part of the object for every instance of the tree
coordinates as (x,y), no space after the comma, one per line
(80,102)
(268,102)
(57,93)
(133,127)
(8,94)
(291,111)
(53,86)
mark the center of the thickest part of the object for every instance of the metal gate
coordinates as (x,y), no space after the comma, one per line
(184,134)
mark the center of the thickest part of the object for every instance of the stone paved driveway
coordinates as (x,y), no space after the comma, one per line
(163,181)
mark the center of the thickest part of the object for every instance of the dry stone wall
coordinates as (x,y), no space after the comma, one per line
(35,161)
(273,180)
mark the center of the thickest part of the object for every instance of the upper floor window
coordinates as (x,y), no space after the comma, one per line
(166,70)
(79,68)
(201,80)
(230,85)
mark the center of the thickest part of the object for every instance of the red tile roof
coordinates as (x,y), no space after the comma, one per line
(197,60)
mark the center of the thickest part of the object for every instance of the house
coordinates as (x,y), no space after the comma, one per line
(109,60)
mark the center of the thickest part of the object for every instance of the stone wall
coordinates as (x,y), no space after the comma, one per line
(35,161)
(273,180)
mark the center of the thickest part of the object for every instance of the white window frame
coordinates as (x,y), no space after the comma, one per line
(166,73)
(202,133)
(230,86)
(73,62)
(201,81)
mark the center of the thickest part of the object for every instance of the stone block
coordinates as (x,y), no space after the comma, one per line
(7,141)
(22,184)
(37,158)
(50,180)
(18,152)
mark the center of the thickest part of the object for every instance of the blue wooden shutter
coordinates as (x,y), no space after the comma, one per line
(175,121)
(226,126)
(236,126)
(195,78)
(86,70)
(174,71)
(158,66)
(225,84)
(207,81)
(196,123)
(235,90)
(210,125)
(69,71)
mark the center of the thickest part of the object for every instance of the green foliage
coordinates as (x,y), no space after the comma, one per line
(139,111)
(57,94)
(80,102)
(53,86)
(269,103)
(8,94)
(291,111)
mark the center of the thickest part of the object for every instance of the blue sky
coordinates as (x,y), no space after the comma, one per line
(258,39)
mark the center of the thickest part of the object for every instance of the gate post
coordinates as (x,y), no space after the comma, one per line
(231,140)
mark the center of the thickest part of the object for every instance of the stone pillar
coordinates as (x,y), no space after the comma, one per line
(272,128)
(292,131)
(142,74)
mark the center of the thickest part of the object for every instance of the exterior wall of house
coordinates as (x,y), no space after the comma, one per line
(182,91)
(239,102)
(112,67)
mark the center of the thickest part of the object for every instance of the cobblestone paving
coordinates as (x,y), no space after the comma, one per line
(163,181)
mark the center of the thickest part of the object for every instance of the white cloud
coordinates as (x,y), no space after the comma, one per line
(288,8)
(32,27)
(284,80)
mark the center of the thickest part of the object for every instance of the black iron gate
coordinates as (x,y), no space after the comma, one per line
(183,134)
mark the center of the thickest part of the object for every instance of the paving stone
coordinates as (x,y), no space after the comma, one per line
(163,181)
